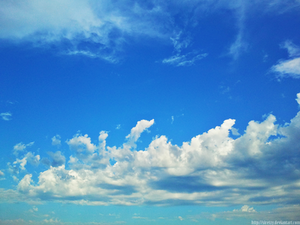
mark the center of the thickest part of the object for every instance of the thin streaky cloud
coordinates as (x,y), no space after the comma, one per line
(6,116)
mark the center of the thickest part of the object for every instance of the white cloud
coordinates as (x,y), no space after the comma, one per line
(81,144)
(247,208)
(6,116)
(292,49)
(181,44)
(238,47)
(180,218)
(136,131)
(288,68)
(22,163)
(30,158)
(184,60)
(1,173)
(102,139)
(25,184)
(298,98)
(56,140)
(21,147)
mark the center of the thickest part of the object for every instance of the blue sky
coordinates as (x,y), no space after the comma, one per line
(149,112)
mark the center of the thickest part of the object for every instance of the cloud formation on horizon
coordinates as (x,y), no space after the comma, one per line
(259,167)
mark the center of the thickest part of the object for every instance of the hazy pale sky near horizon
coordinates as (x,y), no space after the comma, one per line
(149,112)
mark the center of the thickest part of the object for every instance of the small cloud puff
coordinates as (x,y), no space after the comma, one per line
(34,209)
(6,116)
(245,208)
(56,140)
(21,147)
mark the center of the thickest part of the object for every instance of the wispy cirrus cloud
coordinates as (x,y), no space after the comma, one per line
(183,56)
(88,28)
(184,60)
(99,29)
(6,116)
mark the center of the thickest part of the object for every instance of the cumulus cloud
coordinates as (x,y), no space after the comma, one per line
(289,67)
(81,144)
(6,116)
(1,174)
(258,167)
(56,140)
(25,184)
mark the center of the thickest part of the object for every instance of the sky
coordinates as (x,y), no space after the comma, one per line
(149,112)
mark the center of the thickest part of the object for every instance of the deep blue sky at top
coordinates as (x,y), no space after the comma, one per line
(63,94)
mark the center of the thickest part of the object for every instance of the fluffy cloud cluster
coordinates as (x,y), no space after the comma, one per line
(259,167)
